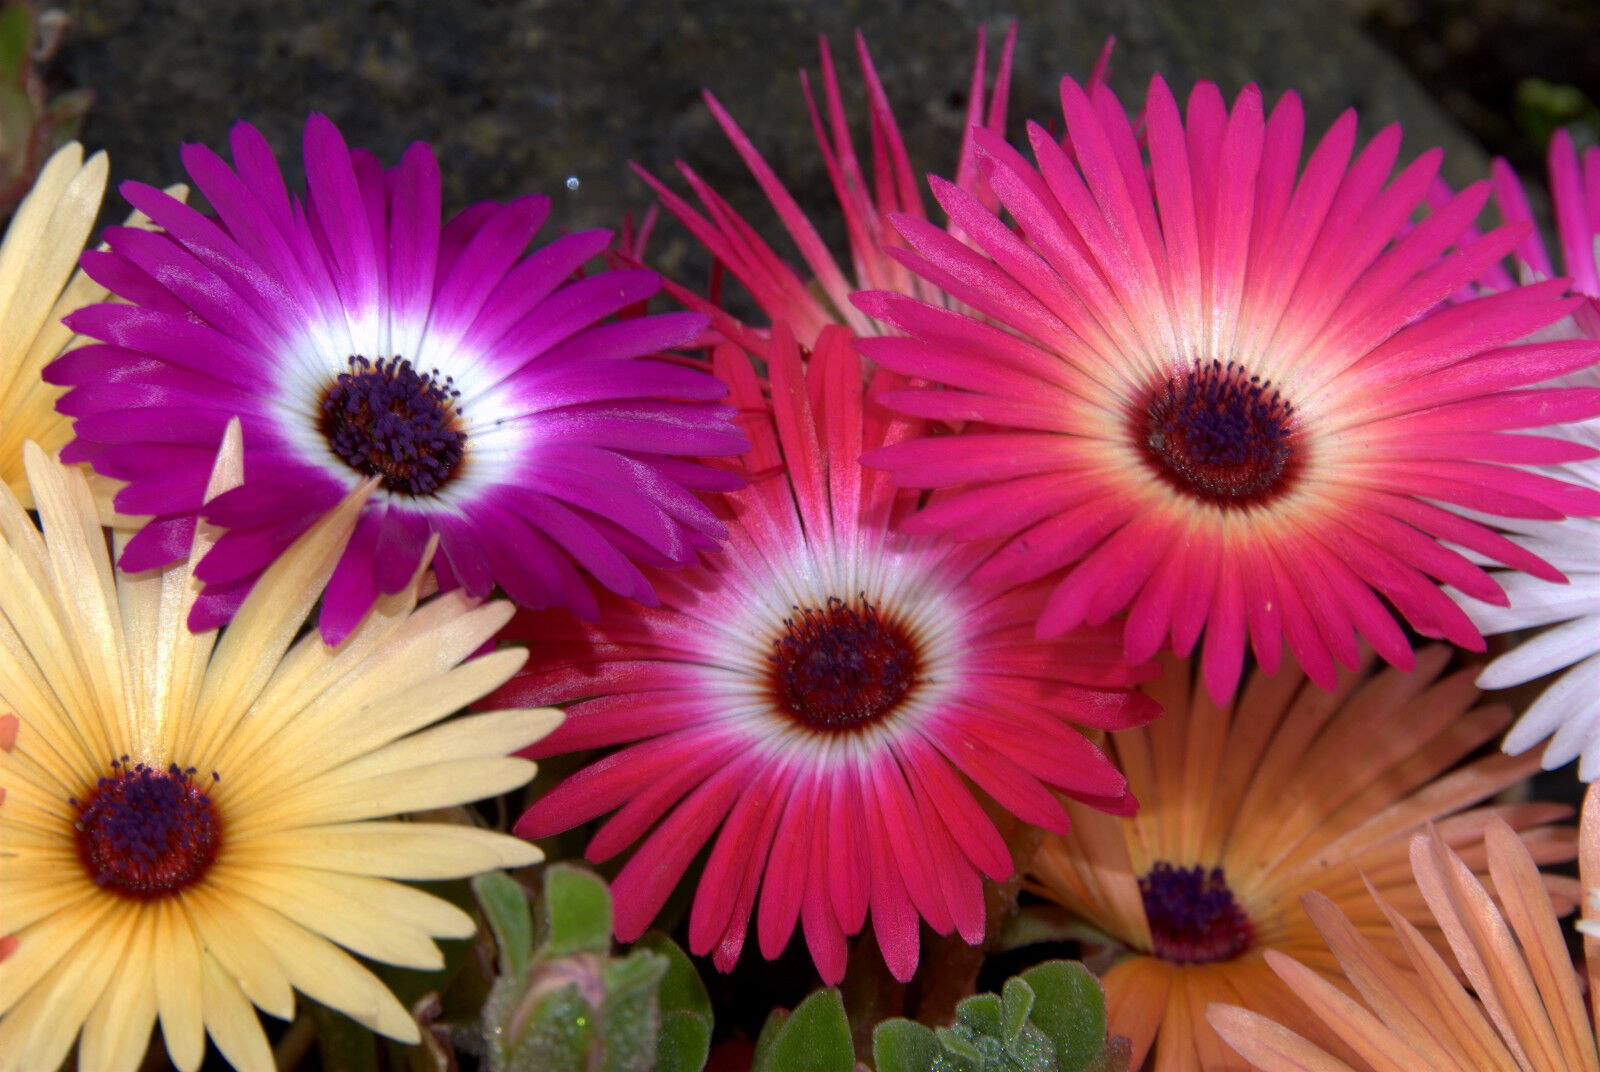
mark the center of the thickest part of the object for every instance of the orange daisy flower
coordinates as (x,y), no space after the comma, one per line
(1525,1012)
(1246,808)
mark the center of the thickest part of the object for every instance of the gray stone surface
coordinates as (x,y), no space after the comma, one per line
(520,95)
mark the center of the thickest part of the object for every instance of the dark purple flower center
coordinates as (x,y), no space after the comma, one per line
(144,833)
(842,666)
(1192,914)
(386,420)
(1221,434)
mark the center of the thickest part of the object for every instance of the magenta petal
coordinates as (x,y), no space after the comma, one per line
(401,541)
(215,606)
(352,589)
(160,543)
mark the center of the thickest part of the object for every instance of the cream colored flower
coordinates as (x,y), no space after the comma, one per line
(192,825)
(38,287)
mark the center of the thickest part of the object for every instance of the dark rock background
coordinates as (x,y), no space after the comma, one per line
(521,95)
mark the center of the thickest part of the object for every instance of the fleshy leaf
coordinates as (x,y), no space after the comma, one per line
(1016,1002)
(505,905)
(901,1045)
(814,1038)
(1070,1008)
(981,1013)
(686,1021)
(630,1018)
(684,1043)
(576,912)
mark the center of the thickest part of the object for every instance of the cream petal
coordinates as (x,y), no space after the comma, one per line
(231,1021)
(361,715)
(179,984)
(262,629)
(366,916)
(397,850)
(483,736)
(422,789)
(44,948)
(117,1031)
(225,932)
(66,995)
(81,571)
(167,663)
(325,973)
(44,240)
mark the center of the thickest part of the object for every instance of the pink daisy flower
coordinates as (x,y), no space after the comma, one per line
(809,302)
(1205,390)
(818,699)
(359,339)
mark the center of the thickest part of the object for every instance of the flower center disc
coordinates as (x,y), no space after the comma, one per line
(842,666)
(386,420)
(1192,914)
(145,833)
(1221,435)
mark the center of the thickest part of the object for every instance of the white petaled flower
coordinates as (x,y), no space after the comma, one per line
(1568,711)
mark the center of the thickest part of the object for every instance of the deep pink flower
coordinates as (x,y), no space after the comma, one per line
(359,338)
(811,298)
(1204,388)
(814,699)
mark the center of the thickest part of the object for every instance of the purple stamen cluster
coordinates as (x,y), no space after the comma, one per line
(145,833)
(841,666)
(1192,914)
(386,420)
(1221,434)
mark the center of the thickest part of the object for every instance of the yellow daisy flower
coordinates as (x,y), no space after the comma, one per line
(189,822)
(37,288)
(1244,809)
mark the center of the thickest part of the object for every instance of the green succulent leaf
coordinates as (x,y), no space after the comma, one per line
(505,905)
(1070,1008)
(630,1018)
(554,1033)
(960,1050)
(981,1013)
(813,1038)
(681,987)
(901,1045)
(684,1043)
(576,912)
(1016,1003)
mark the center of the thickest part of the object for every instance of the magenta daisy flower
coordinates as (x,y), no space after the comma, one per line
(819,699)
(485,392)
(1204,388)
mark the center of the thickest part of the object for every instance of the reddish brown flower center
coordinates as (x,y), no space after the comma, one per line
(1192,914)
(144,833)
(386,420)
(1221,434)
(841,666)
